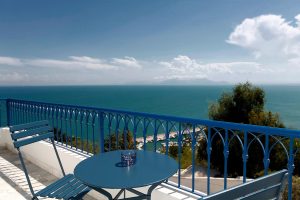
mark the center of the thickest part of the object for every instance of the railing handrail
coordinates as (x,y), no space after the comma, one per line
(88,135)
(212,123)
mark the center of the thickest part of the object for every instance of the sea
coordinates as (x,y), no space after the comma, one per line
(184,101)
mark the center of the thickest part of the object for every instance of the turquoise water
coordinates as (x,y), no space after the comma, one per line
(185,101)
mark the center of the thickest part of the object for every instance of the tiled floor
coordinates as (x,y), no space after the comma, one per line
(13,183)
(7,191)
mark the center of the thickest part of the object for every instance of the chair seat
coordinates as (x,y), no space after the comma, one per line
(67,187)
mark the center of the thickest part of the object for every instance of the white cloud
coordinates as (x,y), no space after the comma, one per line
(13,77)
(10,61)
(74,62)
(185,68)
(270,36)
(86,59)
(127,61)
(81,70)
(298,20)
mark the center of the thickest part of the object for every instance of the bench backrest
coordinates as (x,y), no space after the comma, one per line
(24,134)
(266,187)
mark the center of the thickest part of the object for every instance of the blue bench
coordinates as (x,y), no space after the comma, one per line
(266,187)
(67,187)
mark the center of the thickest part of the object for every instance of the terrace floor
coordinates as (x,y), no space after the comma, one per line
(13,184)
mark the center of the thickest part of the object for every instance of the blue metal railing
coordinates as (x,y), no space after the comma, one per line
(3,113)
(94,130)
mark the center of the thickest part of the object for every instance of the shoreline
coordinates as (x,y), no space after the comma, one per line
(161,136)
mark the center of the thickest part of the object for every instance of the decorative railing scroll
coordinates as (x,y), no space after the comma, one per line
(96,130)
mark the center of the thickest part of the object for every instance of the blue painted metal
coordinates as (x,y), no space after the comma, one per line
(64,187)
(8,113)
(76,128)
(266,155)
(87,116)
(90,124)
(208,150)
(266,187)
(155,135)
(117,130)
(93,132)
(111,175)
(145,126)
(167,137)
(225,152)
(193,157)
(179,153)
(110,131)
(101,123)
(70,127)
(135,123)
(245,156)
(290,167)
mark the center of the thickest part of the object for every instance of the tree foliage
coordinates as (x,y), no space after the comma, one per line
(245,104)
(125,141)
(186,154)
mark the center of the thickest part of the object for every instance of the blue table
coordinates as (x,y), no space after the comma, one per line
(104,171)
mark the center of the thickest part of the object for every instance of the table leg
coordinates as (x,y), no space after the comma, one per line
(104,192)
(142,195)
(151,188)
(119,194)
(139,197)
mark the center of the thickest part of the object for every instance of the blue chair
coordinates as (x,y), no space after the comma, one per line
(266,187)
(67,187)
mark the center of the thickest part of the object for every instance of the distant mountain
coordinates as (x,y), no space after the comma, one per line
(203,81)
(179,82)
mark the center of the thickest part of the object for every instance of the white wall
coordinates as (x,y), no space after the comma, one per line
(42,154)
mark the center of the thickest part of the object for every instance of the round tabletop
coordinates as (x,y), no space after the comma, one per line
(103,170)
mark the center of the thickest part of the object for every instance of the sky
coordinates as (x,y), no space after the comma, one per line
(112,42)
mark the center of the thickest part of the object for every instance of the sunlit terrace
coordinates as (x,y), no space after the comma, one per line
(81,132)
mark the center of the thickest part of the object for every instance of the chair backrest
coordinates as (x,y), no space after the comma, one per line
(266,187)
(24,134)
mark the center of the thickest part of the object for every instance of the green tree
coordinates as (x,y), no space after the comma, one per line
(245,104)
(123,139)
(186,154)
(236,106)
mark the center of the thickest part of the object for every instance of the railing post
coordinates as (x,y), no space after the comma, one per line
(93,132)
(8,116)
(101,122)
(155,136)
(245,156)
(266,155)
(134,132)
(167,138)
(193,157)
(145,126)
(208,150)
(125,132)
(290,168)
(179,153)
(226,153)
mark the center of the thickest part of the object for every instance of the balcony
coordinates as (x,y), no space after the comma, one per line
(81,132)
